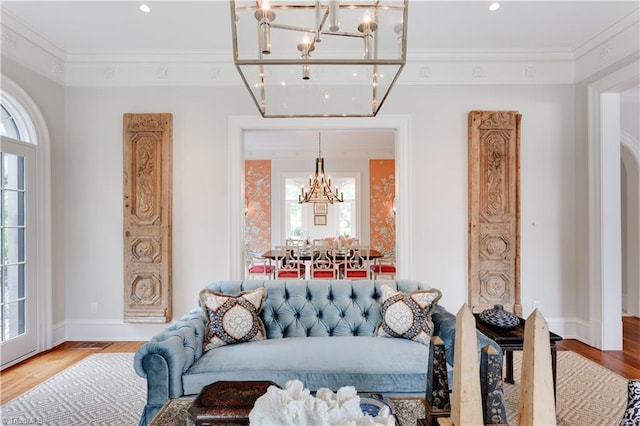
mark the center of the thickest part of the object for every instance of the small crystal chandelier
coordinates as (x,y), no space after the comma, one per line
(320,187)
(319,58)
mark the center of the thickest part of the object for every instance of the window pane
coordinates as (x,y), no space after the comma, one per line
(13,208)
(295,219)
(13,245)
(12,171)
(13,283)
(346,209)
(291,190)
(349,191)
(13,320)
(8,125)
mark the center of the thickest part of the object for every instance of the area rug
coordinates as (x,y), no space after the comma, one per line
(103,389)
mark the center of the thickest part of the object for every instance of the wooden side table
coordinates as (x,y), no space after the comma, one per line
(512,339)
(226,402)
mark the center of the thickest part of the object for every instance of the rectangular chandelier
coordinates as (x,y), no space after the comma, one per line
(315,58)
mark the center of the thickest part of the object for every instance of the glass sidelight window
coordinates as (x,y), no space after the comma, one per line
(13,247)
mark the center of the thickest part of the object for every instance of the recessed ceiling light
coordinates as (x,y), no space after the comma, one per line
(145,8)
(494,6)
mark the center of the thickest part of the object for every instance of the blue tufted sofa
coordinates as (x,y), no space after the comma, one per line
(319,332)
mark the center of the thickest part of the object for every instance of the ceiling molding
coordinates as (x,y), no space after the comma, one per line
(611,50)
(31,55)
(603,37)
(215,68)
(28,35)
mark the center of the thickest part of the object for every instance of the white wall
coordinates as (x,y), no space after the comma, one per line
(49,97)
(88,196)
(93,184)
(439,201)
(93,188)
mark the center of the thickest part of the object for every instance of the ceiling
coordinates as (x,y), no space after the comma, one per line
(81,27)
(117,26)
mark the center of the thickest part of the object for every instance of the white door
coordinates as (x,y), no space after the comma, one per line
(18,335)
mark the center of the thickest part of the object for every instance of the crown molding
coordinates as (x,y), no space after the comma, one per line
(608,34)
(29,35)
(215,68)
(32,54)
(610,48)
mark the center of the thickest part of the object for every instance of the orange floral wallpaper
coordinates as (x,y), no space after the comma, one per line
(382,184)
(257,189)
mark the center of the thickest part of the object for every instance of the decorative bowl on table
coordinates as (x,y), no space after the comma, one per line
(498,317)
(371,404)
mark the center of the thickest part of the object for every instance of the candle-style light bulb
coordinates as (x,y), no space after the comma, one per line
(265,15)
(367,27)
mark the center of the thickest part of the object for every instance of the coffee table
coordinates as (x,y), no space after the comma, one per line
(182,411)
(512,339)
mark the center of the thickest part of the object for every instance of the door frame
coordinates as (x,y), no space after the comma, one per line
(604,236)
(399,124)
(39,136)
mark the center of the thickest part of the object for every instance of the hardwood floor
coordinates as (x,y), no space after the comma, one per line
(625,362)
(19,378)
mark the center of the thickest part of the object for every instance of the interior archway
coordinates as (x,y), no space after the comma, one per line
(239,124)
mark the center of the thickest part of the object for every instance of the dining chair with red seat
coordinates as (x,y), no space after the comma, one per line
(323,264)
(256,265)
(384,267)
(356,265)
(288,263)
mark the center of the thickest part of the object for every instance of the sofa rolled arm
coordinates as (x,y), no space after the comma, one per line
(164,358)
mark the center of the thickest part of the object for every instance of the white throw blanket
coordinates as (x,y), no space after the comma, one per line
(295,406)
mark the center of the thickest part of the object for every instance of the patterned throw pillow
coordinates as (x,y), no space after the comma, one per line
(407,315)
(233,318)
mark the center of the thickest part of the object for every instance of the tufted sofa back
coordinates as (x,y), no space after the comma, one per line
(299,308)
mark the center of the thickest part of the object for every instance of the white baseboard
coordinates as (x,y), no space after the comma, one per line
(107,330)
(570,328)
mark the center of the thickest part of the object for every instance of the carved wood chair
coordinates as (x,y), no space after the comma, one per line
(288,263)
(256,265)
(357,262)
(323,264)
(384,267)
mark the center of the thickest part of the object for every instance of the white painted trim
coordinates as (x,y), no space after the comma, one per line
(608,52)
(400,124)
(632,144)
(608,34)
(181,71)
(603,142)
(31,54)
(110,330)
(43,214)
(629,155)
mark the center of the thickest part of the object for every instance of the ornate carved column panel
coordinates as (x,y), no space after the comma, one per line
(494,210)
(147,217)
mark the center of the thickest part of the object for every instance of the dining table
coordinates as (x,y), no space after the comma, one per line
(307,254)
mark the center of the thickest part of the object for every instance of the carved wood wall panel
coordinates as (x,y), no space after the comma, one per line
(147,177)
(494,210)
